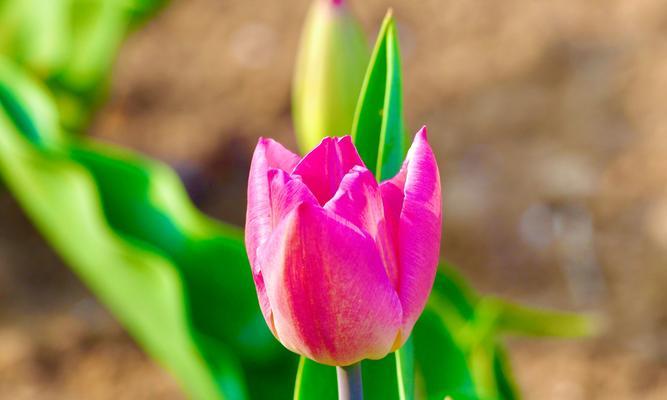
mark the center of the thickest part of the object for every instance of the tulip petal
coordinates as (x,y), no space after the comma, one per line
(417,227)
(268,154)
(392,202)
(323,168)
(331,298)
(286,192)
(348,153)
(359,201)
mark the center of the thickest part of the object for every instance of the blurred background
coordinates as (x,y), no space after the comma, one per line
(549,123)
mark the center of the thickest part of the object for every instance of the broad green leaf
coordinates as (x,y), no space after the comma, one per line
(450,284)
(97,30)
(442,362)
(378,129)
(178,281)
(141,288)
(315,381)
(475,324)
(380,378)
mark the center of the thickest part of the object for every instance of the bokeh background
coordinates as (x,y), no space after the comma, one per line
(548,120)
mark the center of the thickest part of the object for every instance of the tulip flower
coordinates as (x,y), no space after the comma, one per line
(342,265)
(330,67)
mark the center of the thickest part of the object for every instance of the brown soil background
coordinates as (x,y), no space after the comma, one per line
(550,124)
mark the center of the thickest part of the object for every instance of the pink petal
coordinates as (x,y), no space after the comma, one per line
(286,192)
(331,298)
(392,201)
(268,154)
(348,153)
(358,200)
(417,227)
(323,168)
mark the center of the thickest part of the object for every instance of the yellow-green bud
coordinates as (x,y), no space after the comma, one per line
(332,60)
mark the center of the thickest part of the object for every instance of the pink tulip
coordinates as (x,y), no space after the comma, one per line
(342,265)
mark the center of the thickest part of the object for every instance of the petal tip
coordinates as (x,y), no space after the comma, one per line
(359,169)
(345,139)
(273,173)
(325,142)
(423,133)
(327,139)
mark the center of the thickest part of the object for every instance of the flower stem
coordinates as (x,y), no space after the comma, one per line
(349,382)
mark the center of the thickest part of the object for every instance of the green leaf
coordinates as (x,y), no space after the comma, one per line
(35,33)
(378,129)
(140,287)
(315,381)
(521,320)
(441,361)
(450,284)
(507,388)
(178,281)
(381,379)
(405,371)
(97,30)
(70,44)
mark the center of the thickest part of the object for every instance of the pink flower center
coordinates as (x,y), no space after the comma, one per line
(324,167)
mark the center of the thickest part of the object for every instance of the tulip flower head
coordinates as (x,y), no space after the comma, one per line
(343,266)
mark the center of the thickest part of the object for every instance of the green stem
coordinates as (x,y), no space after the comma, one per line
(349,382)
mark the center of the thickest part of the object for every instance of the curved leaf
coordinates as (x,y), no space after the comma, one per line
(507,389)
(441,360)
(378,127)
(517,319)
(315,381)
(125,225)
(405,371)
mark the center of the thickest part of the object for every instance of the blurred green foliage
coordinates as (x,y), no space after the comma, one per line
(179,281)
(70,45)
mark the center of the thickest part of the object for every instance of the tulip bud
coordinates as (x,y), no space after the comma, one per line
(330,67)
(343,266)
